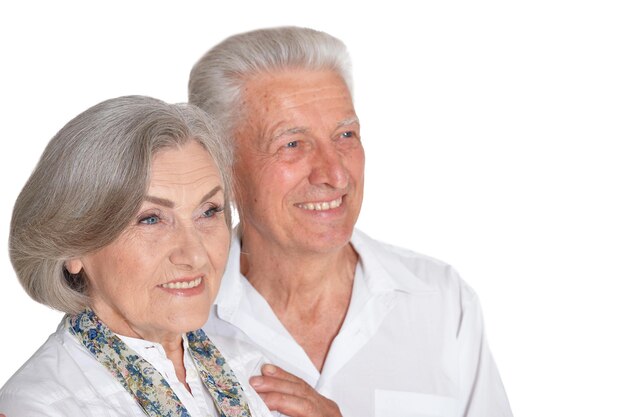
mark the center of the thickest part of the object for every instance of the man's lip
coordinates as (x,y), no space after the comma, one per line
(321,205)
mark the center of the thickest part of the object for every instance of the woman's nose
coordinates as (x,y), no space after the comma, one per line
(188,250)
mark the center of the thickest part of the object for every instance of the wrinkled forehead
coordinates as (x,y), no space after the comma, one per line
(293,99)
(264,85)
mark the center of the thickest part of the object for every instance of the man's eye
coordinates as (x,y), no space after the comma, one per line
(292,144)
(149,219)
(349,134)
(213,211)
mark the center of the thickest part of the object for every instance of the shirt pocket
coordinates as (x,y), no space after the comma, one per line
(413,404)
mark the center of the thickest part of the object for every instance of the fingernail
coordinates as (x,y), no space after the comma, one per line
(256,381)
(269,369)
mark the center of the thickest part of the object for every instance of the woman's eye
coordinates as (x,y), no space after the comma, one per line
(153,219)
(213,211)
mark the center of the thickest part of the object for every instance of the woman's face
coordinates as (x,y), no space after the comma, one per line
(159,278)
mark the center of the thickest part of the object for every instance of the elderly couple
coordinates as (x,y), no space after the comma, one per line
(125,226)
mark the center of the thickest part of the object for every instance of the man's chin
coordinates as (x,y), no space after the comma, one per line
(325,240)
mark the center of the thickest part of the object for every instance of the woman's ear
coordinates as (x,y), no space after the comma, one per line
(73,266)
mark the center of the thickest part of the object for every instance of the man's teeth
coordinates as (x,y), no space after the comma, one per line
(182,284)
(326,205)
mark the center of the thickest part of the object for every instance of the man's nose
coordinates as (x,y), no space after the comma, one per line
(328,167)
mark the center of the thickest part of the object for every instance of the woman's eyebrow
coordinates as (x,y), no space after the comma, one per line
(210,193)
(170,204)
(160,201)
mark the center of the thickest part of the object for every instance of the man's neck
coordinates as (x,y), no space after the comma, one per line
(281,274)
(309,293)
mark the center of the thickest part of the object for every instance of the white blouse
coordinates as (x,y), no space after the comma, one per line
(62,379)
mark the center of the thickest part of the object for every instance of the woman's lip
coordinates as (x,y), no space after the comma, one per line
(184,286)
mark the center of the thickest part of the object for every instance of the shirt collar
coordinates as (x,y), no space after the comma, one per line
(150,351)
(383,268)
(382,272)
(232,285)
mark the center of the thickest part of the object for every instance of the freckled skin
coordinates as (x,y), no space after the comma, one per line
(160,245)
(272,179)
(297,146)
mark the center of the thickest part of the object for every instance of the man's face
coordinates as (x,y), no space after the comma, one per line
(299,167)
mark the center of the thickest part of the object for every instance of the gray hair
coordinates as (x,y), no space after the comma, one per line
(91,181)
(216,80)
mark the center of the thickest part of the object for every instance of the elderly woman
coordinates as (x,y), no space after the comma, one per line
(125,226)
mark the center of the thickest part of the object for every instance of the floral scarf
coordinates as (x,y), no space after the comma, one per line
(146,384)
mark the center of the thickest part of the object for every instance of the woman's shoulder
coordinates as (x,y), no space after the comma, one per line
(37,383)
(40,373)
(58,378)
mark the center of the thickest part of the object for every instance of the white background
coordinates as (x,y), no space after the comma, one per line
(494,134)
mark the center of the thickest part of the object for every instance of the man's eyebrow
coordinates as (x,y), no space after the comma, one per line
(170,204)
(295,130)
(349,121)
(290,131)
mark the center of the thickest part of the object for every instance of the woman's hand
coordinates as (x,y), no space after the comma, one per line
(290,395)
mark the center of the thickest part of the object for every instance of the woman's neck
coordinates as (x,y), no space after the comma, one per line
(172,343)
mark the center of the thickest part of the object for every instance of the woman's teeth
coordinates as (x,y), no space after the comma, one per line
(182,284)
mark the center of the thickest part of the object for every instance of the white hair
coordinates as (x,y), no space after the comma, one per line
(216,80)
(91,181)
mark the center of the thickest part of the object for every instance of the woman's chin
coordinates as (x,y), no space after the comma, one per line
(192,321)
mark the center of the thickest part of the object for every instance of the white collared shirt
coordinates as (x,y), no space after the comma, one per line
(62,379)
(198,402)
(412,343)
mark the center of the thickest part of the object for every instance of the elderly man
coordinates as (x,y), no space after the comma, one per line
(350,325)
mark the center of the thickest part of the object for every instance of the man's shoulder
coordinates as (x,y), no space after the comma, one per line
(395,250)
(410,270)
